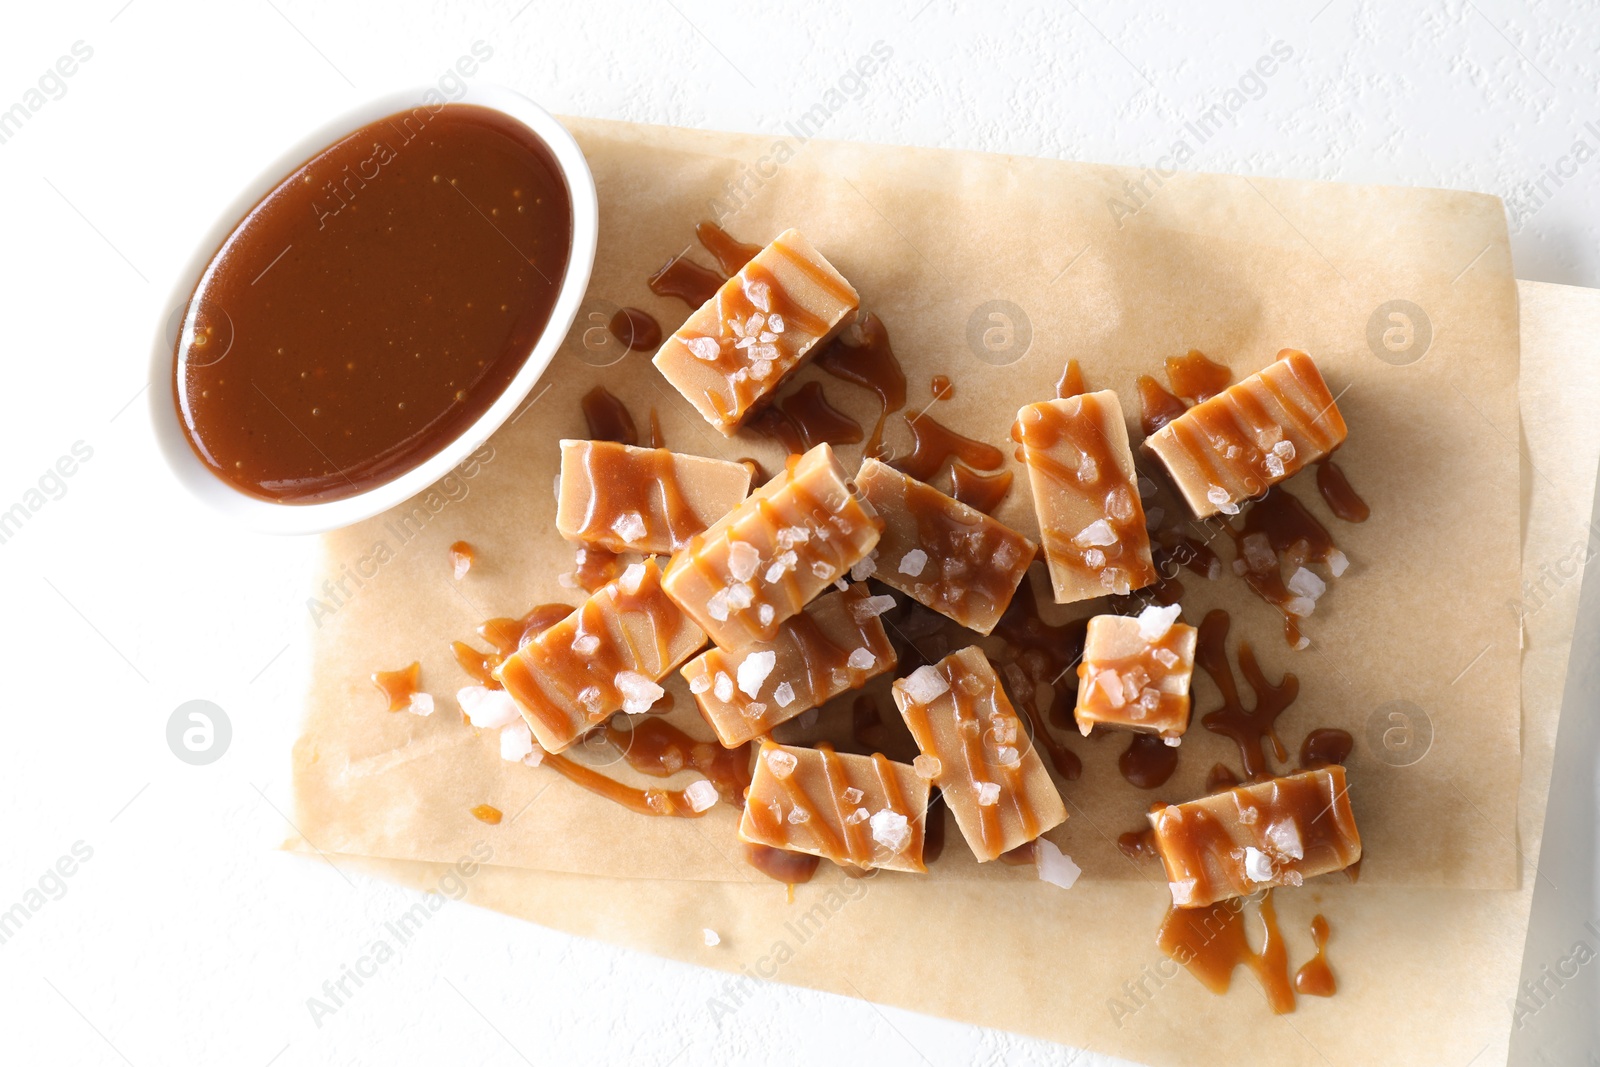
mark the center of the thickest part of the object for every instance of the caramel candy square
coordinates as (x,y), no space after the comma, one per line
(763,561)
(1086,494)
(834,645)
(645,500)
(940,552)
(607,656)
(1135,673)
(1250,436)
(977,752)
(866,811)
(741,345)
(1277,832)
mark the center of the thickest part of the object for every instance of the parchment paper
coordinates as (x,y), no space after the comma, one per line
(1426,976)
(1236,267)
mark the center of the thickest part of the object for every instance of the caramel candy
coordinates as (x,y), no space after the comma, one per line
(977,752)
(866,811)
(1250,436)
(741,345)
(646,500)
(940,552)
(1277,832)
(763,561)
(1086,495)
(832,646)
(1135,673)
(607,656)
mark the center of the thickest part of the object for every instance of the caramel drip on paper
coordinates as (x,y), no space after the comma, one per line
(805,419)
(1157,407)
(607,418)
(657,748)
(933,444)
(1148,761)
(1325,746)
(1342,500)
(1297,538)
(870,364)
(730,255)
(939,385)
(686,280)
(398,687)
(1250,729)
(1315,979)
(1071,381)
(1195,378)
(983,492)
(637,330)
(1211,942)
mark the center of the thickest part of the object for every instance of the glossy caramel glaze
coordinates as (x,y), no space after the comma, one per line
(1249,728)
(862,355)
(685,280)
(983,492)
(1336,492)
(934,444)
(608,418)
(637,330)
(1212,941)
(1071,381)
(1315,978)
(803,420)
(398,687)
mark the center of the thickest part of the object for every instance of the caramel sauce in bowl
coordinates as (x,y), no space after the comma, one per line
(500,369)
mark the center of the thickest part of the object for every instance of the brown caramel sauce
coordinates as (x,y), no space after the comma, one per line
(1324,746)
(657,748)
(1196,378)
(941,388)
(1336,492)
(1045,654)
(984,492)
(644,483)
(657,438)
(805,419)
(1148,761)
(1251,728)
(637,330)
(686,280)
(1315,979)
(594,566)
(487,813)
(1071,382)
(934,444)
(1297,537)
(730,255)
(462,557)
(670,802)
(1157,407)
(1139,844)
(505,636)
(781,865)
(1211,942)
(607,418)
(871,365)
(758,473)
(398,687)
(933,829)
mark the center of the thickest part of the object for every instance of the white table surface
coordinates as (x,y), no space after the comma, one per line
(185,938)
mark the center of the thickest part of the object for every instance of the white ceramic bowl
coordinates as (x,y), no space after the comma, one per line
(270,517)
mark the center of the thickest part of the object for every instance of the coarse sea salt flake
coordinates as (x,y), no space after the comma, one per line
(743,559)
(861,659)
(860,815)
(1299,606)
(487,709)
(1306,583)
(420,704)
(1338,562)
(1284,837)
(701,795)
(586,644)
(890,829)
(1284,450)
(988,793)
(1166,657)
(799,815)
(1257,867)
(717,605)
(1258,553)
(516,741)
(1098,534)
(1155,621)
(740,596)
(926,767)
(754,670)
(705,348)
(823,570)
(913,562)
(700,683)
(864,568)
(710,937)
(765,614)
(925,684)
(781,763)
(722,687)
(639,693)
(783,696)
(630,526)
(1054,866)
(871,607)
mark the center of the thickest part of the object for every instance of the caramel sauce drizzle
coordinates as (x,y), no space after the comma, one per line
(730,255)
(1296,536)
(1071,381)
(939,385)
(1157,407)
(462,556)
(1342,500)
(805,419)
(933,444)
(781,865)
(487,813)
(645,483)
(686,280)
(1139,845)
(1045,654)
(870,364)
(657,438)
(1220,777)
(1249,729)
(1042,434)
(1315,979)
(1148,761)
(398,687)
(1325,746)
(637,330)
(505,636)
(669,802)
(657,748)
(833,835)
(983,492)
(1211,942)
(1195,378)
(607,418)
(594,566)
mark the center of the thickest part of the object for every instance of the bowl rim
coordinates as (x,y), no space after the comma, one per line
(268,516)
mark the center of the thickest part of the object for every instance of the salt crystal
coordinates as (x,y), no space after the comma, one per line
(855,818)
(1166,657)
(589,697)
(1257,867)
(755,709)
(1239,567)
(1094,559)
(566,580)
(701,795)
(790,536)
(1170,741)
(1119,504)
(871,607)
(1337,563)
(760,369)
(1007,756)
(1248,815)
(1299,606)
(487,709)
(765,614)
(891,830)
(783,696)
(1088,469)
(1284,450)
(1097,534)
(461,563)
(630,526)
(711,938)
(700,683)
(988,793)
(740,596)
(822,570)
(1183,891)
(705,348)
(1217,495)
(1273,464)
(841,585)
(861,659)
(1004,728)
(852,795)
(722,688)
(717,605)
(639,693)
(1258,553)
(1110,683)
(798,815)
(420,704)
(516,741)
(1005,555)
(913,562)
(743,559)
(1302,644)
(632,578)
(864,568)
(534,758)
(1284,837)
(754,670)
(585,644)
(926,767)
(1155,621)
(1149,699)
(781,763)
(1213,570)
(1307,584)
(1054,866)
(925,684)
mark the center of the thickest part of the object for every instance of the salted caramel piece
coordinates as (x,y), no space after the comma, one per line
(1086,494)
(940,552)
(763,561)
(1250,436)
(646,500)
(1277,832)
(865,811)
(607,656)
(834,645)
(977,752)
(1135,673)
(741,345)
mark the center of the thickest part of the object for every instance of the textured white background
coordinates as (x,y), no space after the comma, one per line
(186,939)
